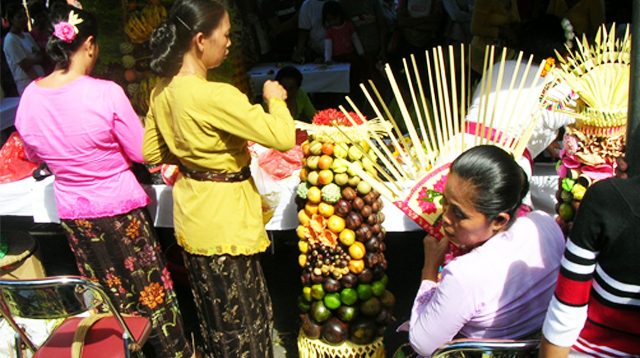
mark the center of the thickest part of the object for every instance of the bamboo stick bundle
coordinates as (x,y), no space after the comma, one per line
(435,116)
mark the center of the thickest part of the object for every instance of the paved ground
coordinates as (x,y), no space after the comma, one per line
(404,254)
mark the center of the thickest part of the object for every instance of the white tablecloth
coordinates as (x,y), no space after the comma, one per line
(8,108)
(30,198)
(316,78)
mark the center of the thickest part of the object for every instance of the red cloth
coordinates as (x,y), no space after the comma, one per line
(14,165)
(341,38)
(280,165)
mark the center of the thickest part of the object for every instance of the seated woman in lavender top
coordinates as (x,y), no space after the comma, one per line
(502,286)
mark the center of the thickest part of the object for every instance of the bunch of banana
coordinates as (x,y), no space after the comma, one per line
(140,98)
(141,24)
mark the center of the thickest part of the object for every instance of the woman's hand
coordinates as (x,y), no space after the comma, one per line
(434,251)
(273,89)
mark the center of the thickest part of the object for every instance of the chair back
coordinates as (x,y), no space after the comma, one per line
(51,298)
(491,347)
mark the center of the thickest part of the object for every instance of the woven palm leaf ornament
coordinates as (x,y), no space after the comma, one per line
(414,171)
(598,72)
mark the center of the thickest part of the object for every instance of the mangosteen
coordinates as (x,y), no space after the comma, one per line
(316,278)
(372,245)
(372,259)
(384,316)
(320,312)
(383,247)
(371,307)
(376,228)
(378,272)
(369,198)
(366,211)
(349,193)
(375,207)
(335,331)
(305,278)
(365,276)
(387,299)
(372,219)
(354,220)
(380,217)
(342,208)
(363,233)
(357,203)
(349,280)
(310,328)
(331,285)
(362,331)
(347,313)
(380,330)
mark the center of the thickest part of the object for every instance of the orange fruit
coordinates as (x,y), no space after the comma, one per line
(325,209)
(325,162)
(303,217)
(347,237)
(357,250)
(327,148)
(311,208)
(314,195)
(325,177)
(356,266)
(336,224)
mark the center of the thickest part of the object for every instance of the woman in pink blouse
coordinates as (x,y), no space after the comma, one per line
(501,288)
(88,134)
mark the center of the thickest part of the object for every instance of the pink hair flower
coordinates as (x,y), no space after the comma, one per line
(67,30)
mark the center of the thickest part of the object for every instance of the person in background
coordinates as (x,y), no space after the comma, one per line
(203,127)
(458,28)
(371,26)
(501,288)
(311,33)
(21,51)
(282,24)
(298,101)
(40,32)
(88,134)
(341,40)
(586,16)
(595,311)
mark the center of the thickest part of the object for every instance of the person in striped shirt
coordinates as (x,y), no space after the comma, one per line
(595,310)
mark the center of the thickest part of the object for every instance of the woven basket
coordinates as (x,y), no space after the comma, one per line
(315,348)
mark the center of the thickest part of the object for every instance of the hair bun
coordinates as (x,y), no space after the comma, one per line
(163,46)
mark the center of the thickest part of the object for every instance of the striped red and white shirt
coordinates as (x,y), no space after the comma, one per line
(596,306)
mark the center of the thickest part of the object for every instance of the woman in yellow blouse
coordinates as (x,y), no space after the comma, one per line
(204,128)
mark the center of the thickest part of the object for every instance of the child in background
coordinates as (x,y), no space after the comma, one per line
(341,38)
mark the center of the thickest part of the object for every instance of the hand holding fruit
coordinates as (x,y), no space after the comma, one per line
(273,89)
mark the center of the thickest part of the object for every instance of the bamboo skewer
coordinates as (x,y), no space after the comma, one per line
(394,140)
(436,116)
(395,168)
(406,116)
(391,119)
(496,100)
(423,133)
(427,110)
(445,92)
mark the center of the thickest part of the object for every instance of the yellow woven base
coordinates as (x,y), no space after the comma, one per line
(315,348)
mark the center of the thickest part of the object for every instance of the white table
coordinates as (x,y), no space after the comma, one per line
(333,78)
(30,198)
(8,109)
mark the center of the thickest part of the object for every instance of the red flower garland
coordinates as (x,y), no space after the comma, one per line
(327,117)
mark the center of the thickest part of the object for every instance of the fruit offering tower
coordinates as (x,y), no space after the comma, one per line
(344,301)
(598,73)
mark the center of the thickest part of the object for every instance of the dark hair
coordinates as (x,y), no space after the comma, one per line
(541,36)
(171,40)
(59,50)
(289,72)
(500,183)
(12,10)
(331,8)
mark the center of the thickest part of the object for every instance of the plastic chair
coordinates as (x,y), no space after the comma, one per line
(488,347)
(98,335)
